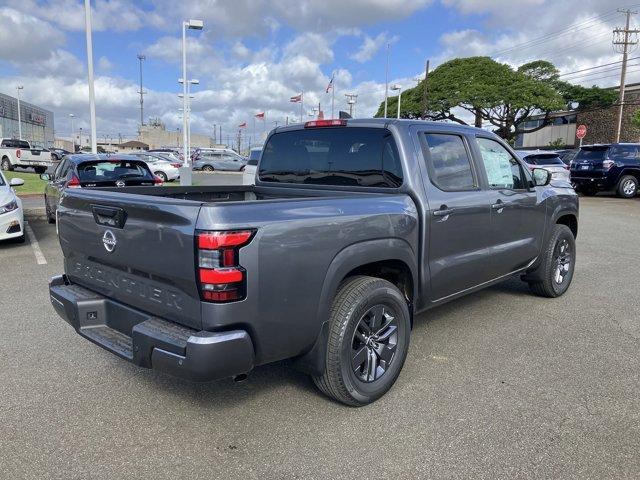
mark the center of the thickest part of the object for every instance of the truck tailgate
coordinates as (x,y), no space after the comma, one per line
(135,249)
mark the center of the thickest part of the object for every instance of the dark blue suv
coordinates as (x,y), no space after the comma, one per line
(613,166)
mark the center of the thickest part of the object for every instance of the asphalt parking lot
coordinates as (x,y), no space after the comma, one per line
(500,384)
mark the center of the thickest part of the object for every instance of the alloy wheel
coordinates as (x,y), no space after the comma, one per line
(629,187)
(374,343)
(562,261)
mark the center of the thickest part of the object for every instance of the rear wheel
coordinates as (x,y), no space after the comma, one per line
(207,168)
(50,217)
(162,176)
(628,186)
(6,165)
(555,273)
(369,329)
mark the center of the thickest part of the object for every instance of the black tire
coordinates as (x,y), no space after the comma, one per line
(6,165)
(50,217)
(627,186)
(362,304)
(208,168)
(555,273)
(162,176)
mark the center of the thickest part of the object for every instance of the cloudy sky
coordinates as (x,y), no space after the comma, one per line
(253,55)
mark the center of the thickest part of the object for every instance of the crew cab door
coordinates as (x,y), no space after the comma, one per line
(459,216)
(517,210)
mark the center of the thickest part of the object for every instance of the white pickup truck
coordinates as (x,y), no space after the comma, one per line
(18,153)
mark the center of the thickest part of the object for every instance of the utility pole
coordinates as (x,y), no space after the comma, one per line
(18,88)
(141,92)
(352,99)
(386,83)
(622,40)
(425,108)
(92,94)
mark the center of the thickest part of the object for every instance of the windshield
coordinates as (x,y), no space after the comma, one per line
(112,170)
(365,157)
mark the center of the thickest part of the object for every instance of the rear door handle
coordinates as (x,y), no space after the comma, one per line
(443,212)
(498,206)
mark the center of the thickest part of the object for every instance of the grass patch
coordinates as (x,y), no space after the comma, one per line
(33,184)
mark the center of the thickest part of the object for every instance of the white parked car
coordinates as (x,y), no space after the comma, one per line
(19,153)
(160,166)
(250,169)
(11,215)
(548,160)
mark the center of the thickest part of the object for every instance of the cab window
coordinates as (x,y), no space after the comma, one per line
(502,169)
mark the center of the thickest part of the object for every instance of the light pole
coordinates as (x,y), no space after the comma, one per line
(399,89)
(141,58)
(73,132)
(19,87)
(188,111)
(185,174)
(92,94)
(386,83)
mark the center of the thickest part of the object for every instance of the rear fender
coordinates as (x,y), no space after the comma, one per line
(347,260)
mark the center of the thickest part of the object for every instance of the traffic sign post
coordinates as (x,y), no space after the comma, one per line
(581,132)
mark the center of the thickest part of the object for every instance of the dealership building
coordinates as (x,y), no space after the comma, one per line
(37,123)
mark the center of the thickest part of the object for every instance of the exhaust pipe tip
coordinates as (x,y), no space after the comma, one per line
(240,378)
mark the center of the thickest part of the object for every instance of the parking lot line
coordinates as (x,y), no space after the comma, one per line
(40,260)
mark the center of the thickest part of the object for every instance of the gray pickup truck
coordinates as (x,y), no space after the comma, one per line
(352,229)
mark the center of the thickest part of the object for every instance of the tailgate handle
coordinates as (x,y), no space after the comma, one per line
(109,216)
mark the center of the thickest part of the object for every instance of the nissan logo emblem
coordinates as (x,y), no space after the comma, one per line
(120,183)
(109,241)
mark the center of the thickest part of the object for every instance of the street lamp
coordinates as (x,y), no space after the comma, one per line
(399,88)
(73,132)
(185,174)
(193,81)
(92,95)
(19,87)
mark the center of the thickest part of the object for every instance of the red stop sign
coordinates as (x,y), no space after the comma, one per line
(581,131)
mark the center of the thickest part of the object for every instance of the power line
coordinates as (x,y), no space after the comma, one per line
(553,35)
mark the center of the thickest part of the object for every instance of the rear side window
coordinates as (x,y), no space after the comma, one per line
(448,162)
(109,171)
(348,156)
(623,151)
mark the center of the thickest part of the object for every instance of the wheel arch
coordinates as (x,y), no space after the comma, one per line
(570,220)
(391,259)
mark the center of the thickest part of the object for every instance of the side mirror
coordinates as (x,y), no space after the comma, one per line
(46,177)
(541,177)
(16,182)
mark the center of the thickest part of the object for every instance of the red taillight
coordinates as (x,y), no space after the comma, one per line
(325,123)
(176,165)
(18,153)
(221,277)
(74,182)
(157,180)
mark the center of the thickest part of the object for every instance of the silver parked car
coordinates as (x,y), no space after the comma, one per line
(548,160)
(160,165)
(223,161)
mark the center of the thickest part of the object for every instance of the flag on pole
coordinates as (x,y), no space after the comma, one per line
(259,115)
(330,86)
(243,125)
(296,98)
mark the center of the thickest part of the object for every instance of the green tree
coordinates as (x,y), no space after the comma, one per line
(495,93)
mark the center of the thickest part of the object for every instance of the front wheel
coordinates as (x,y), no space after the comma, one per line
(369,329)
(207,168)
(555,273)
(628,186)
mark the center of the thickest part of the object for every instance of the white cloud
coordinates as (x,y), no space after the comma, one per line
(24,37)
(370,46)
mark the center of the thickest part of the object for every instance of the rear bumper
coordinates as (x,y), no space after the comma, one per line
(149,341)
(601,183)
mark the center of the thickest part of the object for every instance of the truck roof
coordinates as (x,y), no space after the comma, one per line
(382,122)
